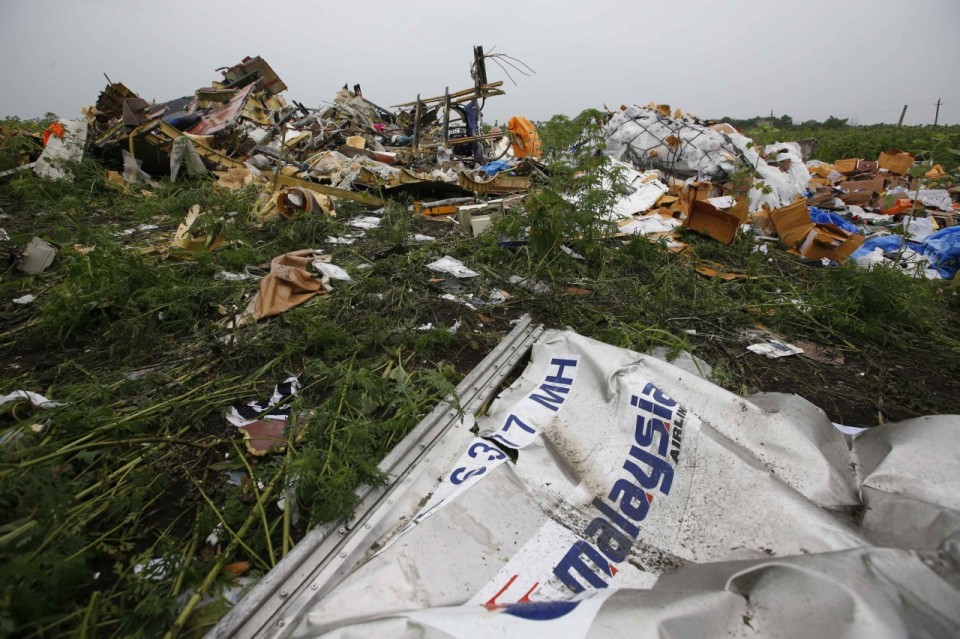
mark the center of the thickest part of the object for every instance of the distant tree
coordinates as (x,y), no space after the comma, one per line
(783,122)
(834,123)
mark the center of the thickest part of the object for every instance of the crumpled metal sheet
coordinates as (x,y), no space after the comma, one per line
(646,501)
(217,119)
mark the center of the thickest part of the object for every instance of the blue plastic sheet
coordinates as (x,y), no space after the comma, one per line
(943,250)
(887,243)
(825,217)
(492,168)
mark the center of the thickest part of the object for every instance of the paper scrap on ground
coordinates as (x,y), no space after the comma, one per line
(774,348)
(451,266)
(26,299)
(332,271)
(649,224)
(365,222)
(531,284)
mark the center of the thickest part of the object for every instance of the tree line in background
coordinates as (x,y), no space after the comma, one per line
(787,122)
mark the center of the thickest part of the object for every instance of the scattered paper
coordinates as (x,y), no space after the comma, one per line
(722,202)
(332,271)
(26,299)
(340,240)
(233,277)
(774,348)
(648,224)
(366,222)
(531,284)
(141,228)
(455,267)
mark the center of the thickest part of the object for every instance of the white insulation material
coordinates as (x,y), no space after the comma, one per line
(683,147)
(613,494)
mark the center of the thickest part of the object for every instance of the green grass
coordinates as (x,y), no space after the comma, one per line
(132,467)
(937,144)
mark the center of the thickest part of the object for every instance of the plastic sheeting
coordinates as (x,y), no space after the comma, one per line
(644,189)
(827,217)
(940,249)
(184,154)
(647,138)
(612,494)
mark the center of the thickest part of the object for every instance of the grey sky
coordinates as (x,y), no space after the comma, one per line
(807,58)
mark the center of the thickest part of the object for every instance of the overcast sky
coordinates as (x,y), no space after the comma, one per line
(806,58)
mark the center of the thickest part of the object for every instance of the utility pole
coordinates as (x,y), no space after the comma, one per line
(902,113)
(936,118)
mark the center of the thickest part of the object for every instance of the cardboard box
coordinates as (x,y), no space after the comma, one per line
(741,208)
(847,166)
(792,222)
(823,195)
(868,165)
(709,220)
(876,185)
(861,192)
(761,219)
(813,241)
(896,161)
(829,241)
(857,198)
(824,170)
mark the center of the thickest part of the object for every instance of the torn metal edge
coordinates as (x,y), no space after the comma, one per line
(318,555)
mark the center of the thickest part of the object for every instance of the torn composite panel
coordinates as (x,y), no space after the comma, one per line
(643,498)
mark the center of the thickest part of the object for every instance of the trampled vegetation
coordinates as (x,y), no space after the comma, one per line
(132,507)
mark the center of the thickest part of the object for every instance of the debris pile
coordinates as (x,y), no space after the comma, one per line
(243,130)
(714,180)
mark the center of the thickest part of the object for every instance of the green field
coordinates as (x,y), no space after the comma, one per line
(133,467)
